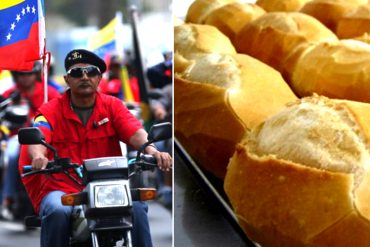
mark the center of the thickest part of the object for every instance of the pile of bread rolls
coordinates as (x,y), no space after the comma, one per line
(269,97)
(217,95)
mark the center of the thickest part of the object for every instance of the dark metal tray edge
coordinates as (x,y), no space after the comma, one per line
(207,186)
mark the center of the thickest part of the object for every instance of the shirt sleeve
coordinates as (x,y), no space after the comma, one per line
(125,123)
(42,123)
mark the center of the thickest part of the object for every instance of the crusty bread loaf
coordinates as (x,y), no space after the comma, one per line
(191,39)
(180,63)
(329,12)
(302,177)
(339,69)
(364,38)
(230,18)
(355,23)
(272,37)
(199,9)
(281,5)
(217,98)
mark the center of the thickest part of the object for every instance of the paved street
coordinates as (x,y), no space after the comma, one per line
(13,234)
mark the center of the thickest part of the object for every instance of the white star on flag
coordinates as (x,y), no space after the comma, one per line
(22,33)
(24,11)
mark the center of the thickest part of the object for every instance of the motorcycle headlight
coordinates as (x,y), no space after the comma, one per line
(110,196)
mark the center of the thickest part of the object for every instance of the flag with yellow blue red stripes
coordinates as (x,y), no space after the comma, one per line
(22,33)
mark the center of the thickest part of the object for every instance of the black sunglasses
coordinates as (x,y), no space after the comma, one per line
(78,72)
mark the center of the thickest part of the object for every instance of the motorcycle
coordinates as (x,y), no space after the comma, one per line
(13,111)
(103,210)
(13,114)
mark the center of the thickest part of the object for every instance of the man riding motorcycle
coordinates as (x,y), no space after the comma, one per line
(82,124)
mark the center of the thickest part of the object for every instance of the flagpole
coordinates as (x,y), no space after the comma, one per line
(138,59)
(144,99)
(45,71)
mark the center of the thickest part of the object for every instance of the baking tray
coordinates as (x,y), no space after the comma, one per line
(213,188)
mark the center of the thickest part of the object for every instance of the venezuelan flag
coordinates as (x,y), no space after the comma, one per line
(104,41)
(107,41)
(22,33)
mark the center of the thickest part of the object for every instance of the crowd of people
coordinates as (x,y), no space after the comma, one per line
(72,109)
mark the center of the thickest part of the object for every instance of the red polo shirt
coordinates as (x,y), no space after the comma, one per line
(109,123)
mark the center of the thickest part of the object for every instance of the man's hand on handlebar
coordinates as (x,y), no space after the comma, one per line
(38,156)
(39,162)
(164,160)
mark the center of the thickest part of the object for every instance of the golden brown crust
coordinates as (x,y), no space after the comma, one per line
(278,198)
(284,203)
(271,37)
(281,5)
(355,23)
(211,120)
(346,74)
(329,12)
(350,231)
(259,79)
(200,9)
(202,122)
(364,38)
(181,63)
(361,113)
(190,39)
(230,18)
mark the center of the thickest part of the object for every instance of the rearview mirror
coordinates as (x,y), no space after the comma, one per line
(159,132)
(30,135)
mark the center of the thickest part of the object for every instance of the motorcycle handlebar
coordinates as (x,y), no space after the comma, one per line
(27,169)
(51,167)
(145,163)
(14,97)
(147,158)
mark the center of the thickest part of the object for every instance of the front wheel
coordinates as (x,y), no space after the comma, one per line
(114,238)
(125,241)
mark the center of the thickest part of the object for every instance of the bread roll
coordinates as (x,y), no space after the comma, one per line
(329,12)
(364,38)
(230,18)
(272,37)
(302,177)
(191,39)
(199,9)
(181,63)
(338,69)
(281,5)
(355,23)
(217,98)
